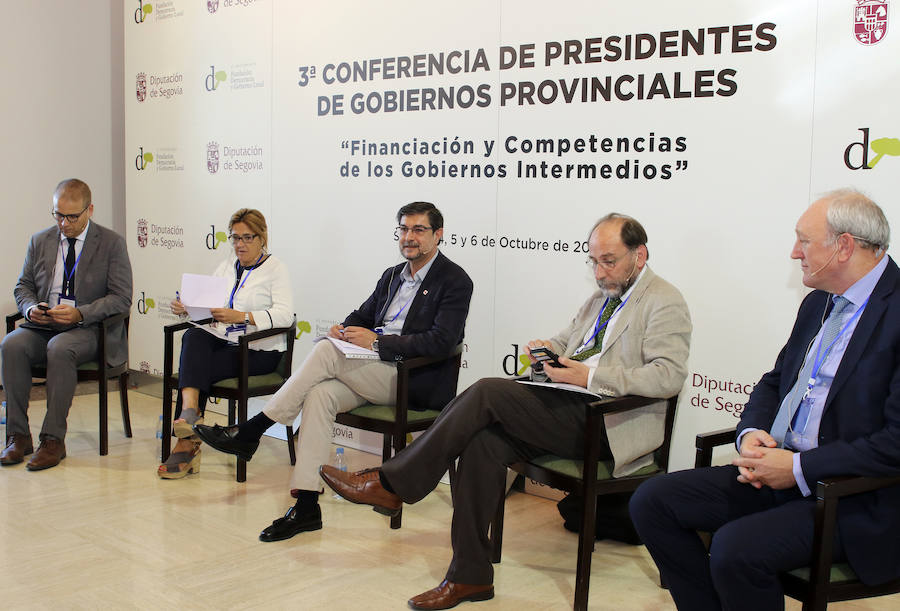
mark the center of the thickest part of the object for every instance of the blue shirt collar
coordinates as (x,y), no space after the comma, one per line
(862,288)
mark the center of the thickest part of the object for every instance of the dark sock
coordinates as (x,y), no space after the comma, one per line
(253,429)
(306,500)
(384,483)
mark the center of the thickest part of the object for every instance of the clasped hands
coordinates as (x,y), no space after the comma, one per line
(359,336)
(61,314)
(763,463)
(574,372)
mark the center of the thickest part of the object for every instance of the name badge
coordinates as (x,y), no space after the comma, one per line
(66,301)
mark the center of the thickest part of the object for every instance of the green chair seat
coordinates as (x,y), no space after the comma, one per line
(267,379)
(840,572)
(574,468)
(385,413)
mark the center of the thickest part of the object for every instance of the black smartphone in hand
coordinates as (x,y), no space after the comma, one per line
(545,354)
(42,307)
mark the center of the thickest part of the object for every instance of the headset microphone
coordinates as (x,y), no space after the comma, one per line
(827,263)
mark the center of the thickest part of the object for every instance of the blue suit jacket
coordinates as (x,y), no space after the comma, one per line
(434,324)
(860,428)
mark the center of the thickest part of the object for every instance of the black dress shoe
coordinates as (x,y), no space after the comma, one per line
(222,438)
(291,524)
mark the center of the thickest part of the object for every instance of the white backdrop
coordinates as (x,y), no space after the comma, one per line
(750,105)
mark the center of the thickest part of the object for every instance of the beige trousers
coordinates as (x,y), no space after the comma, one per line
(327,384)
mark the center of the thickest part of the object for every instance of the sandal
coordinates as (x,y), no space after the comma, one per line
(182,426)
(180,464)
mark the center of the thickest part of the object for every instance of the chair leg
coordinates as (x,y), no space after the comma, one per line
(496,530)
(585,550)
(399,444)
(166,442)
(241,475)
(123,400)
(104,399)
(292,451)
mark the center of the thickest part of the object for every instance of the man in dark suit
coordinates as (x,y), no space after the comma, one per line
(829,407)
(75,275)
(418,308)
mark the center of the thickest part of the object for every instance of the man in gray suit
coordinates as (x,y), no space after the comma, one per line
(631,337)
(75,274)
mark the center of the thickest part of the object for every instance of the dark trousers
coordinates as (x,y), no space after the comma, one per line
(206,359)
(757,534)
(494,423)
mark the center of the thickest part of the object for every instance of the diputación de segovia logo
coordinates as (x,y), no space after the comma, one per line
(870,21)
(143,233)
(212,157)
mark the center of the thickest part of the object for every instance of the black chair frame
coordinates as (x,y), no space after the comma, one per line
(394,432)
(816,592)
(588,486)
(237,397)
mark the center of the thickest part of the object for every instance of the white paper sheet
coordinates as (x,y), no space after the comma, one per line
(199,293)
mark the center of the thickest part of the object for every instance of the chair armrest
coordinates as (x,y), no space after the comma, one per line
(11,321)
(705,442)
(249,337)
(837,487)
(178,326)
(714,439)
(615,405)
(120,317)
(421,361)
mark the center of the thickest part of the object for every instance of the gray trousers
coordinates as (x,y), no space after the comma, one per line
(61,352)
(327,384)
(494,423)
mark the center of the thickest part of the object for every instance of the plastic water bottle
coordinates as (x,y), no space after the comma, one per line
(3,412)
(159,424)
(338,463)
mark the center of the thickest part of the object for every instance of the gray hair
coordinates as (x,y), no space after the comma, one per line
(849,211)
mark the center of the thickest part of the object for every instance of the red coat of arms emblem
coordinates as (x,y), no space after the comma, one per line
(870,21)
(141,87)
(212,157)
(142,233)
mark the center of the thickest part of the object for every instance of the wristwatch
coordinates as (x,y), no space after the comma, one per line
(246,318)
(375,346)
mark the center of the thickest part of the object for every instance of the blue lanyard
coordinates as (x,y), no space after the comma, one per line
(236,287)
(821,356)
(68,274)
(598,326)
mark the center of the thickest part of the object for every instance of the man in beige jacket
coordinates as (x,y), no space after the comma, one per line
(631,337)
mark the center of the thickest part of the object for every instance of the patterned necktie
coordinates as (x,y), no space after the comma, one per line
(608,311)
(68,283)
(832,328)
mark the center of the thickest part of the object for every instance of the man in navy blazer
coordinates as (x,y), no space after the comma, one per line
(76,273)
(829,407)
(418,308)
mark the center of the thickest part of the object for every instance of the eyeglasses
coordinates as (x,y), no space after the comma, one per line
(59,216)
(607,263)
(416,230)
(246,238)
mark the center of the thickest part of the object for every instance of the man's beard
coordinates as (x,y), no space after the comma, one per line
(617,289)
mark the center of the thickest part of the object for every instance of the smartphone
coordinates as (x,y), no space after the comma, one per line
(43,307)
(545,354)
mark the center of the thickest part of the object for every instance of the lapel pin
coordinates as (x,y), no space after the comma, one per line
(425,292)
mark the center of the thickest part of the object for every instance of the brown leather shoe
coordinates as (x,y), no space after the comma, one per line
(450,594)
(362,487)
(48,454)
(18,446)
